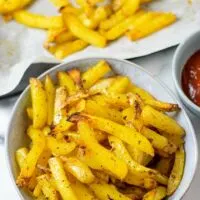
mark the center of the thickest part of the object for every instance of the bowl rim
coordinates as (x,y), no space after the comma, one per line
(8,159)
(176,68)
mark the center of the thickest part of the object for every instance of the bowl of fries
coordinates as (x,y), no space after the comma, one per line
(100,129)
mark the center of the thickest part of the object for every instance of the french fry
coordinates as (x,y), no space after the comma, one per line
(75,74)
(38,21)
(174,139)
(32,157)
(121,28)
(60,147)
(161,121)
(50,92)
(80,31)
(155,25)
(126,134)
(177,171)
(130,7)
(62,126)
(108,160)
(39,103)
(156,194)
(78,169)
(94,2)
(65,80)
(119,85)
(165,165)
(107,191)
(70,10)
(101,176)
(95,73)
(117,4)
(64,37)
(48,190)
(82,191)
(60,3)
(21,155)
(62,183)
(60,99)
(52,34)
(96,109)
(67,48)
(37,190)
(29,111)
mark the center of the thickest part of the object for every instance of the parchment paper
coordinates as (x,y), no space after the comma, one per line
(20,46)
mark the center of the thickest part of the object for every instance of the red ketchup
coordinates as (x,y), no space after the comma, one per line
(191,78)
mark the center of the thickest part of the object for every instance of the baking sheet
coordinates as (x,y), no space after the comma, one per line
(20,46)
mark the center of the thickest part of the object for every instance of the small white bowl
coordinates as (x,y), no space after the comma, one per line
(181,56)
(17,137)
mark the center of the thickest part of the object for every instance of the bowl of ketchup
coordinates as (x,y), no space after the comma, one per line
(186,72)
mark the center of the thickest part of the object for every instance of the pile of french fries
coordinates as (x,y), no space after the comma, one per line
(99,138)
(89,23)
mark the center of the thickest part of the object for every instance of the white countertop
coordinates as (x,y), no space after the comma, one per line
(159,64)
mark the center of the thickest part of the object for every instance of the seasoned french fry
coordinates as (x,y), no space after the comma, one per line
(59,3)
(165,165)
(107,191)
(80,31)
(65,80)
(96,109)
(64,37)
(155,25)
(108,160)
(48,190)
(177,171)
(62,183)
(60,147)
(95,73)
(75,74)
(50,92)
(78,169)
(32,157)
(82,191)
(161,121)
(29,111)
(119,85)
(39,103)
(156,194)
(62,126)
(60,99)
(78,107)
(21,155)
(126,134)
(38,21)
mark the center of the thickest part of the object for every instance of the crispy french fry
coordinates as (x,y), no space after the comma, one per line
(174,139)
(62,183)
(37,190)
(38,21)
(48,190)
(107,191)
(67,48)
(50,92)
(126,134)
(156,194)
(96,109)
(65,80)
(60,3)
(29,111)
(95,73)
(177,171)
(82,191)
(165,165)
(161,121)
(53,33)
(64,37)
(78,169)
(80,31)
(59,110)
(75,74)
(130,7)
(70,10)
(62,126)
(105,157)
(44,157)
(119,85)
(155,25)
(39,103)
(60,147)
(30,162)
(121,28)
(21,155)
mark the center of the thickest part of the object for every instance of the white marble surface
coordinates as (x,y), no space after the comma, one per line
(159,64)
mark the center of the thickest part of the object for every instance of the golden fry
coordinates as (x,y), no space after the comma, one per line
(156,194)
(60,3)
(64,37)
(21,155)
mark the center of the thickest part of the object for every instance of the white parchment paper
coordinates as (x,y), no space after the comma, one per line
(20,46)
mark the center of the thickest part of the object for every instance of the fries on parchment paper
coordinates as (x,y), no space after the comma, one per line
(88,23)
(99,138)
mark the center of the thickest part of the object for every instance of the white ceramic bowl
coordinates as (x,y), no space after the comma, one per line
(181,56)
(16,136)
